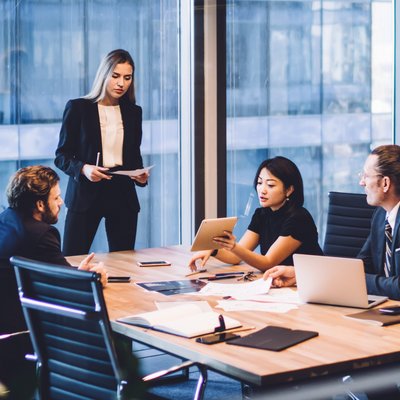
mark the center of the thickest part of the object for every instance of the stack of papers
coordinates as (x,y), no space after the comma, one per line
(237,291)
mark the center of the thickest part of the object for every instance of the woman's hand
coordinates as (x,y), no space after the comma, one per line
(227,242)
(87,265)
(201,255)
(142,178)
(282,276)
(95,173)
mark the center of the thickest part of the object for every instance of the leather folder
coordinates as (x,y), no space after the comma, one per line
(274,338)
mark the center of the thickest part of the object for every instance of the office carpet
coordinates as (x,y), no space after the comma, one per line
(218,387)
(178,386)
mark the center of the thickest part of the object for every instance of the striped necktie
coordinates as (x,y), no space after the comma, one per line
(388,248)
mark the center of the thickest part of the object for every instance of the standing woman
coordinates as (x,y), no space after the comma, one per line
(281,226)
(99,132)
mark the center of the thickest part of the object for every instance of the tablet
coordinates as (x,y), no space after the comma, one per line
(210,228)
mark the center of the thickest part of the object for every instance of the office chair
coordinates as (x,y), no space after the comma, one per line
(76,354)
(348,224)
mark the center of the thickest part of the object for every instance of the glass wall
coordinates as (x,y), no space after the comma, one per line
(309,80)
(49,53)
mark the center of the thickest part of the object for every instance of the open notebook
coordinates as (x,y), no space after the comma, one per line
(333,280)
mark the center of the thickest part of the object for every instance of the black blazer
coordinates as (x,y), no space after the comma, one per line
(79,143)
(26,237)
(373,253)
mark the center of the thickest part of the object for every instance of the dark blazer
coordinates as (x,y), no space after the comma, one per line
(373,253)
(23,236)
(43,242)
(79,143)
(12,239)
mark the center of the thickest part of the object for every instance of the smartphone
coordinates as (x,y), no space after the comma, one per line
(217,338)
(125,279)
(153,263)
(394,310)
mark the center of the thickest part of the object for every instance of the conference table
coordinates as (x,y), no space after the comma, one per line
(343,345)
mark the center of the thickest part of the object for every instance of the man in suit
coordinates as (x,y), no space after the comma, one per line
(380,253)
(26,229)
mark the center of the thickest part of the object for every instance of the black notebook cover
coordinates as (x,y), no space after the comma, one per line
(274,338)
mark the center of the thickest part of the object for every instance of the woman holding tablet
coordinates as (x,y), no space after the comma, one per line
(281,226)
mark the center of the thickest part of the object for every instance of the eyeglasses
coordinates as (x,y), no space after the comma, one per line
(362,176)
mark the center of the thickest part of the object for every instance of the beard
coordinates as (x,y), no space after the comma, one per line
(48,216)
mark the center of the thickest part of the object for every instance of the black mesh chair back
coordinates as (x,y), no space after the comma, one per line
(69,327)
(348,224)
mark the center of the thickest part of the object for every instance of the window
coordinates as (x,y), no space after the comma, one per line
(309,80)
(50,51)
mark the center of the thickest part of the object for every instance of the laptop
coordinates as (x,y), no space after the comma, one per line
(333,280)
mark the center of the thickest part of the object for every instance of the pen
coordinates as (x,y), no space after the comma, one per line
(197,272)
(97,159)
(216,278)
(229,273)
(245,328)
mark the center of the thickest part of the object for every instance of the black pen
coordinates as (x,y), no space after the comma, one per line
(124,279)
(218,277)
(229,273)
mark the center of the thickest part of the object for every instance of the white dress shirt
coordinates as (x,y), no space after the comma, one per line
(112,135)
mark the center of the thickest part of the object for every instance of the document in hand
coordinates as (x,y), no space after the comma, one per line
(188,320)
(132,173)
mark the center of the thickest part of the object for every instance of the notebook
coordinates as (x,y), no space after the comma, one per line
(275,338)
(333,280)
(210,228)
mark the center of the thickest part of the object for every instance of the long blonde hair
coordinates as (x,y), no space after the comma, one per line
(104,73)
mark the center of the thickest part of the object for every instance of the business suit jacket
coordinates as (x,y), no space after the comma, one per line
(79,143)
(12,239)
(373,255)
(27,237)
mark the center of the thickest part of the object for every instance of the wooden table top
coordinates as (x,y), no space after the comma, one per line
(343,345)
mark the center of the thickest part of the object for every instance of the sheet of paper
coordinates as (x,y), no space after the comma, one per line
(132,173)
(203,305)
(246,305)
(274,295)
(237,291)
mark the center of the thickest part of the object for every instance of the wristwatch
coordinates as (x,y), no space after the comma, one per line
(214,253)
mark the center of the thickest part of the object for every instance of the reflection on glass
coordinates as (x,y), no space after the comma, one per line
(54,56)
(308,80)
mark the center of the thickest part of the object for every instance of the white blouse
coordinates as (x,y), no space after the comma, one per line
(112,135)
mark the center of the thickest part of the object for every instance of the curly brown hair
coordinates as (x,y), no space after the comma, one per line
(29,185)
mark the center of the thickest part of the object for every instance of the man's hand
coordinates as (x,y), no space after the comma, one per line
(282,276)
(100,269)
(87,265)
